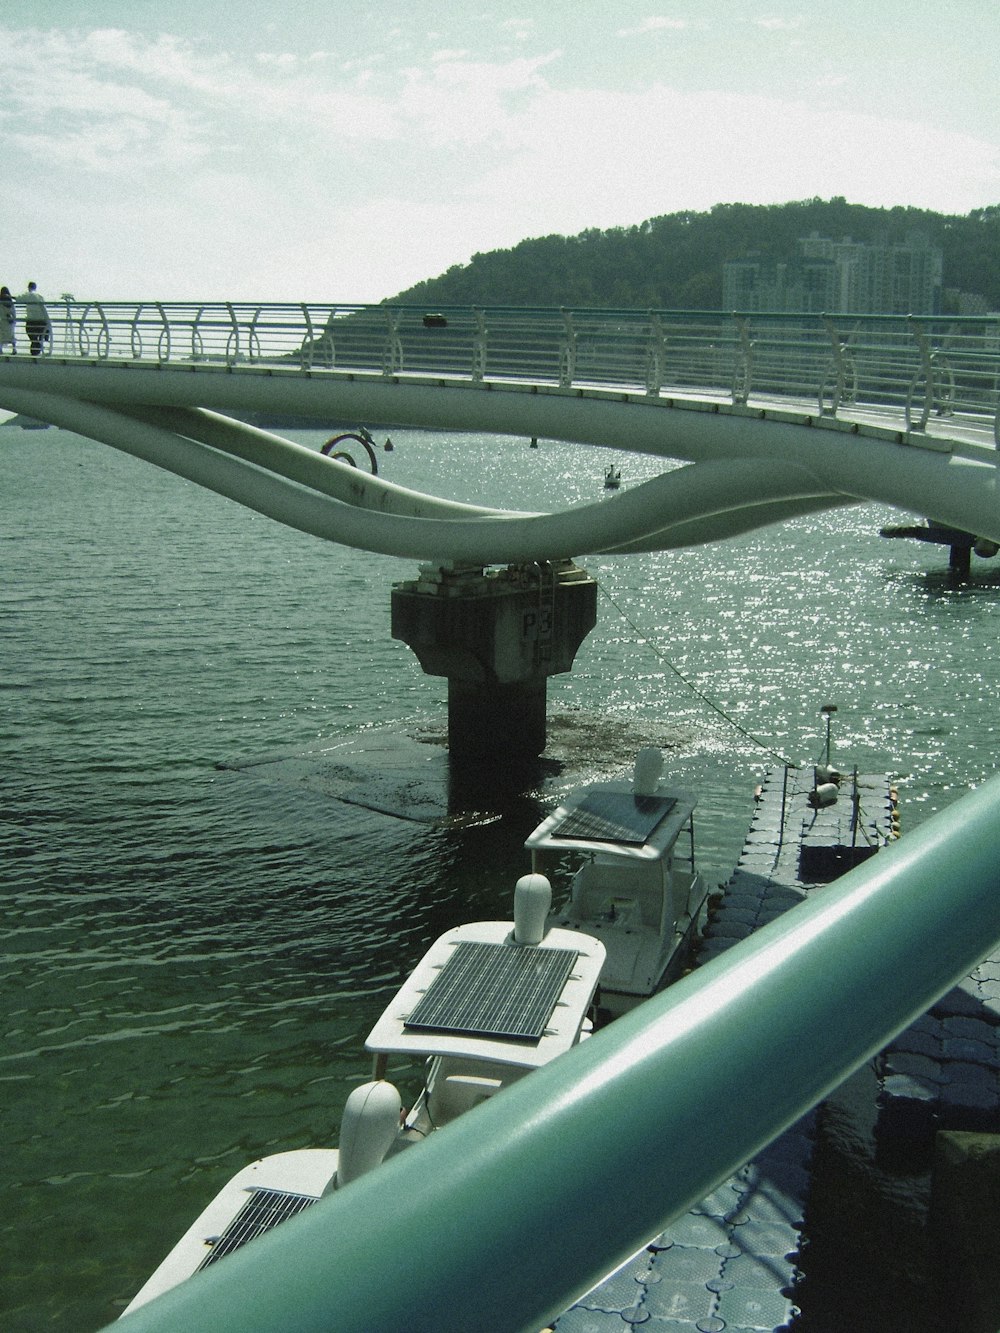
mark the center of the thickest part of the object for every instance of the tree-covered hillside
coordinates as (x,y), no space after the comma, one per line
(675,261)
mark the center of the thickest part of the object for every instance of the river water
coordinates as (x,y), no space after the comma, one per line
(227,829)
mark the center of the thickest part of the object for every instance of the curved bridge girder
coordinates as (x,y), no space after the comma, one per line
(751,468)
(306,491)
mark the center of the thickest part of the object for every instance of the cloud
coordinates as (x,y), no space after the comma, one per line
(110,101)
(466,102)
(573,142)
(104,101)
(114,102)
(775,24)
(521,29)
(101,149)
(169,60)
(653,25)
(284,61)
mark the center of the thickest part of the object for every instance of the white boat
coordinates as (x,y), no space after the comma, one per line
(637,889)
(488,1002)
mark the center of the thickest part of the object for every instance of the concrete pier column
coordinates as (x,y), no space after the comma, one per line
(497,636)
(509,718)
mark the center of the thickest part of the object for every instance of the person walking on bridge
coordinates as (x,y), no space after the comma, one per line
(36,318)
(8,320)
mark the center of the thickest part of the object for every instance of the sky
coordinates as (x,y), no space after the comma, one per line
(340,151)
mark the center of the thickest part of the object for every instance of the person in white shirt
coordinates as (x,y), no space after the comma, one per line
(37,324)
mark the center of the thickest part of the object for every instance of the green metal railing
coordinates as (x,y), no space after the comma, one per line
(511,1213)
(920,366)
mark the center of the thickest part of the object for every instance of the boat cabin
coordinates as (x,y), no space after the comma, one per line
(635,886)
(487,1004)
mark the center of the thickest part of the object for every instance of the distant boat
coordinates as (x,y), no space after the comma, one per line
(612,478)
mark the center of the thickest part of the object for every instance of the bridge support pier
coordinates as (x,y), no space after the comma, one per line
(497,635)
(960,544)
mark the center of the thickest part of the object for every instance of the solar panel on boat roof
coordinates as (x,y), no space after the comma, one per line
(614,816)
(264,1209)
(494,990)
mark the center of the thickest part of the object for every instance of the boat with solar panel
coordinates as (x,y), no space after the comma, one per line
(489,1002)
(635,886)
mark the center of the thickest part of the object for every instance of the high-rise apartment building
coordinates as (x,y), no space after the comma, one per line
(847,276)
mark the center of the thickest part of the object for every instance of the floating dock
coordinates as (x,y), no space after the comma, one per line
(731,1263)
(943,1072)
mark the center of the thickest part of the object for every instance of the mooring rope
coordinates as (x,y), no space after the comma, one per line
(690,685)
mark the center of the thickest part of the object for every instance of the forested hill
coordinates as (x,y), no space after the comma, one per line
(675,261)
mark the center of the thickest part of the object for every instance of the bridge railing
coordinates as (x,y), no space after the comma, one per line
(922,366)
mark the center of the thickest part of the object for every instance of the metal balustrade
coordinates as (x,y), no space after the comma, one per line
(940,366)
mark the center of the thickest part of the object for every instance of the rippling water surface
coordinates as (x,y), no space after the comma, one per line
(219,785)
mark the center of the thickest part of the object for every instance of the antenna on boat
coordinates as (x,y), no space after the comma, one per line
(828,710)
(826,779)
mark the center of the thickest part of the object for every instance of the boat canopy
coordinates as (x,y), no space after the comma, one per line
(615,820)
(477,993)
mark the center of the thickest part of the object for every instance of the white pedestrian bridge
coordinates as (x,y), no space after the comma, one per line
(772,415)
